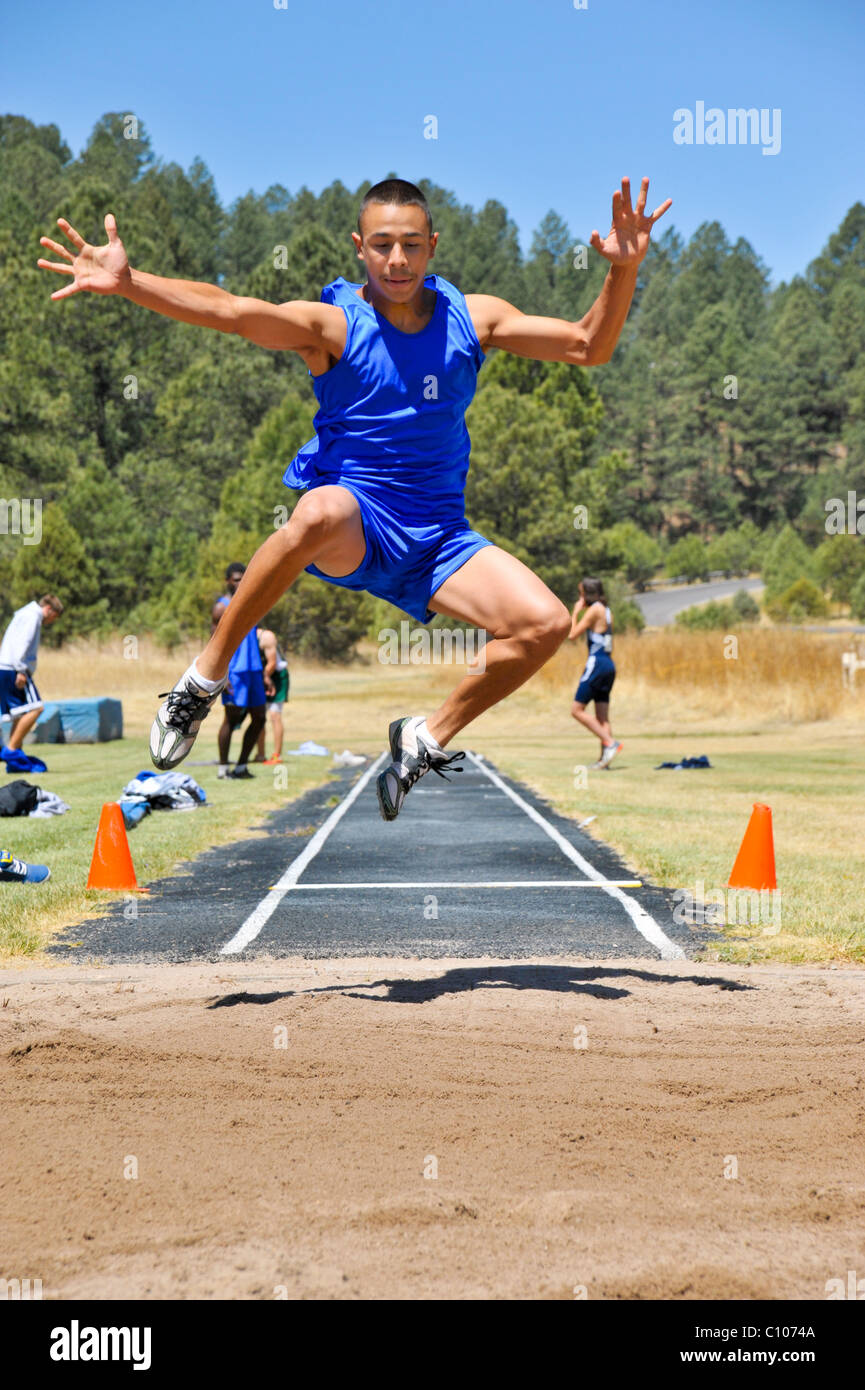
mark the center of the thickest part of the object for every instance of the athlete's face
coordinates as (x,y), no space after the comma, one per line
(396,248)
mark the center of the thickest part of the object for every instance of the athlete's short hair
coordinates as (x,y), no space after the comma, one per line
(399,192)
(236,568)
(53,603)
(593,589)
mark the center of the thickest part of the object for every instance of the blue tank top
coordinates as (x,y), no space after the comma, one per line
(600,641)
(391,417)
(247,657)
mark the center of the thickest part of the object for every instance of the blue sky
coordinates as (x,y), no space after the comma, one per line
(538,104)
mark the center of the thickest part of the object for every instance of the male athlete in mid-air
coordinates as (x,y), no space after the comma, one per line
(394,364)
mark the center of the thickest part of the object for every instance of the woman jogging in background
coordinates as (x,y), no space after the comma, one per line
(592,616)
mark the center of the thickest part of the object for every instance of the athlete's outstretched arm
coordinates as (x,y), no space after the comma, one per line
(106,270)
(592,339)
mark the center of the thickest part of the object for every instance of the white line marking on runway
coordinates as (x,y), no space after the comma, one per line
(485,883)
(256,919)
(644,923)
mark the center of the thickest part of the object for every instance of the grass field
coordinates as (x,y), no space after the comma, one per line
(772,718)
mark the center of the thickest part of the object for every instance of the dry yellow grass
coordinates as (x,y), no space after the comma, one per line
(764,672)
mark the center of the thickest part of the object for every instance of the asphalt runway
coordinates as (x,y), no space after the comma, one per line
(479,866)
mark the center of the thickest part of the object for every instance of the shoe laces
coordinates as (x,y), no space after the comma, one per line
(183,706)
(427,765)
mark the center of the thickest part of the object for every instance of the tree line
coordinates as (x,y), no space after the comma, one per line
(729,414)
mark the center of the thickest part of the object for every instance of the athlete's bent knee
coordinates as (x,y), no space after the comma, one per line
(317,514)
(549,627)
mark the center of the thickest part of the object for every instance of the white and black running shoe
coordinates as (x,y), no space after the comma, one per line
(412,758)
(178,720)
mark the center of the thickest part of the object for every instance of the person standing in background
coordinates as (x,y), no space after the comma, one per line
(592,616)
(244,693)
(276,683)
(19,649)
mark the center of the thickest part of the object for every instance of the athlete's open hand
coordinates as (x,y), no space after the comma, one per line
(99,269)
(628,239)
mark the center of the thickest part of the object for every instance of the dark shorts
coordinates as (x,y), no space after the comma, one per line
(405,562)
(14,701)
(245,689)
(596,682)
(280,689)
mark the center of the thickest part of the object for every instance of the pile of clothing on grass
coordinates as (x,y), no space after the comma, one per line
(685,764)
(159,791)
(17,760)
(20,798)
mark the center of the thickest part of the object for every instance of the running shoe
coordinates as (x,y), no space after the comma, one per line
(609,753)
(178,720)
(14,870)
(412,759)
(241,772)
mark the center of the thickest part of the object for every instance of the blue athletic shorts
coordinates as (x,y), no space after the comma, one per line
(245,688)
(596,682)
(404,563)
(13,700)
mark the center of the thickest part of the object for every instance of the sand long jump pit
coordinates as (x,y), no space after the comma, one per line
(390,1128)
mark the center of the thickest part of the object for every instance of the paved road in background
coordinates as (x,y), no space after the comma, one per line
(480,867)
(660,606)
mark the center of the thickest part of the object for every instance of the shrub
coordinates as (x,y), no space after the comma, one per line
(714,616)
(857,600)
(628,616)
(744,607)
(689,556)
(839,564)
(786,561)
(734,552)
(706,616)
(635,554)
(803,600)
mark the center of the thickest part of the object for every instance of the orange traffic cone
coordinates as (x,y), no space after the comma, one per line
(111,865)
(755,862)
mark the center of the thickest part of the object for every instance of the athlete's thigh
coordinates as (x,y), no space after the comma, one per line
(602,711)
(334,512)
(495,591)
